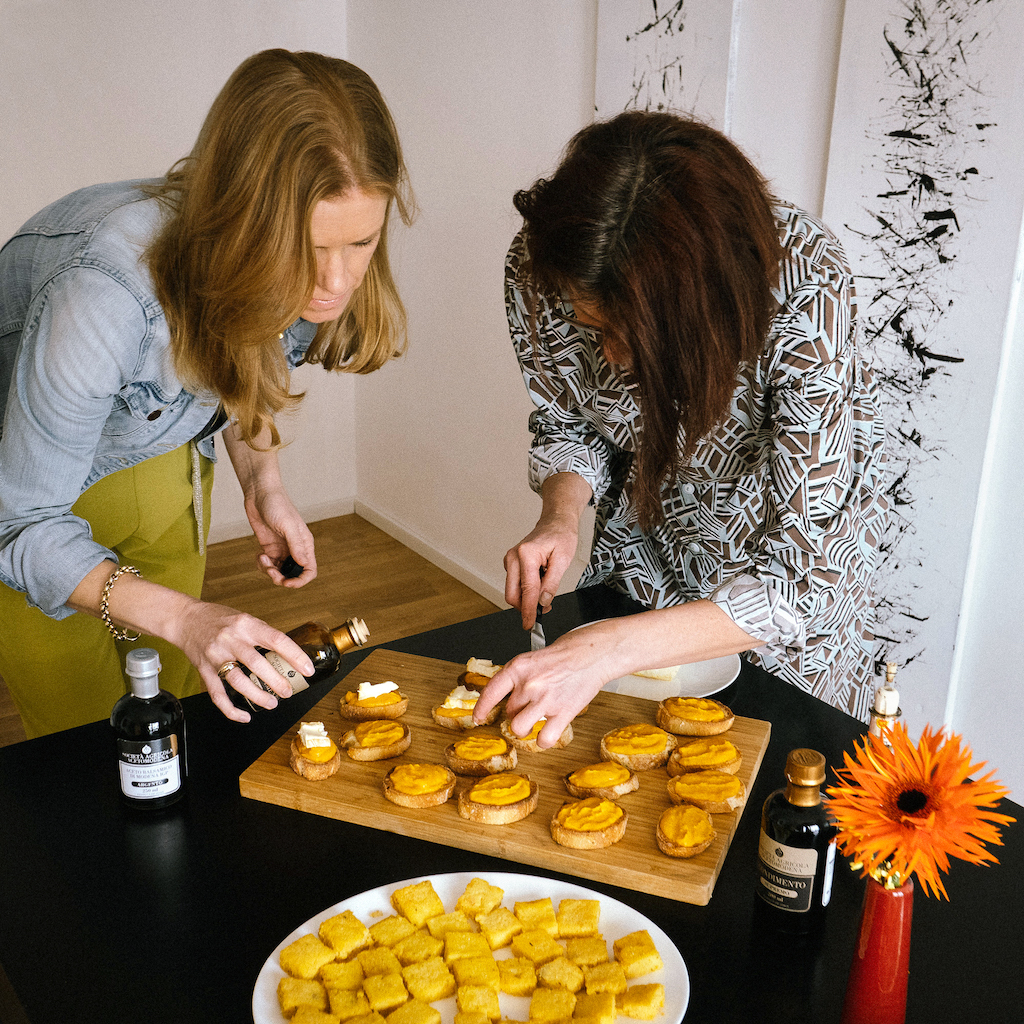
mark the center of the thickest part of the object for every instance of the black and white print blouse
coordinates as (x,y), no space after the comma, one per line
(778,515)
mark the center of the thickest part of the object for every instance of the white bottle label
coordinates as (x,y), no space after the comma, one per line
(297,679)
(786,874)
(149,769)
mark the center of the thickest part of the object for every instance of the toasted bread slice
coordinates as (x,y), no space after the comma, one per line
(684,831)
(529,742)
(360,745)
(492,764)
(694,716)
(607,779)
(590,810)
(703,753)
(498,814)
(640,735)
(315,771)
(400,785)
(353,711)
(714,791)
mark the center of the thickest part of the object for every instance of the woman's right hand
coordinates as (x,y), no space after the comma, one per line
(536,565)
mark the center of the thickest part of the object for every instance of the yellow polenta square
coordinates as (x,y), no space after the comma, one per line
(598,1008)
(551,1004)
(414,1012)
(456,921)
(578,917)
(346,1004)
(418,902)
(295,992)
(385,992)
(345,933)
(462,944)
(642,1002)
(429,980)
(311,1015)
(304,957)
(538,914)
(478,999)
(587,951)
(417,947)
(472,1017)
(498,926)
(517,976)
(476,970)
(560,973)
(480,897)
(373,1017)
(347,974)
(391,930)
(379,960)
(637,954)
(607,977)
(537,946)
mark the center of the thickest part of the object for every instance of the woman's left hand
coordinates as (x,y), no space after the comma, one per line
(281,532)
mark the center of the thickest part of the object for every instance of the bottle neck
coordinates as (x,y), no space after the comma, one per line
(145,687)
(803,796)
(348,635)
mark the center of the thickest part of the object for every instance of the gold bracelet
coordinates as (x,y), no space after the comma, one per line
(118,634)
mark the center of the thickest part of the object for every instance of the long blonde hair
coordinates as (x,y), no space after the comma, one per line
(234,265)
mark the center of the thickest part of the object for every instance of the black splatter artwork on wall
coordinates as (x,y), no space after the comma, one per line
(661,83)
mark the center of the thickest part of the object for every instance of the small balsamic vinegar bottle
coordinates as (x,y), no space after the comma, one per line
(149,731)
(796,853)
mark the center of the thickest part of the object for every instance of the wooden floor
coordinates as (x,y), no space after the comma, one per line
(361,571)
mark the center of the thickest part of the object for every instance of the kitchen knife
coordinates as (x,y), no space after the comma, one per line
(537,641)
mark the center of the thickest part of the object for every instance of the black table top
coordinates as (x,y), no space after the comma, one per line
(112,917)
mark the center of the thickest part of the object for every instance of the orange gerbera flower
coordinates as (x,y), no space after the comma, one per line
(903,808)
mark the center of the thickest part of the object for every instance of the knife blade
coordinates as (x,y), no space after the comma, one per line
(537,641)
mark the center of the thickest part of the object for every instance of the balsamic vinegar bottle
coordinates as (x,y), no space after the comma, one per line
(149,731)
(324,647)
(797,850)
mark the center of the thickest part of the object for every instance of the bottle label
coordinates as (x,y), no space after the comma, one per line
(297,679)
(786,875)
(149,769)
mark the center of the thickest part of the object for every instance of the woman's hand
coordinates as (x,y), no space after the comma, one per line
(281,531)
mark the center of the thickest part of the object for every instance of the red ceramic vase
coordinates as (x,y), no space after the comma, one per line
(876,992)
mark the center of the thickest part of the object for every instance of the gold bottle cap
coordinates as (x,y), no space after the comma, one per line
(805,767)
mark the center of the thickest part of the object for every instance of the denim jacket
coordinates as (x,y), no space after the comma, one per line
(87,379)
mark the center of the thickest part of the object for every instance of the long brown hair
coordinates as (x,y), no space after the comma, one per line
(667,228)
(234,265)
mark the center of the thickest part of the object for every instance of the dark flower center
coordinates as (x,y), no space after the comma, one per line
(912,801)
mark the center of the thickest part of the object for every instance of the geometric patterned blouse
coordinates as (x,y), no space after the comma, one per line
(778,515)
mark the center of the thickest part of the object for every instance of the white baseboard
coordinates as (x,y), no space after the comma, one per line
(485,588)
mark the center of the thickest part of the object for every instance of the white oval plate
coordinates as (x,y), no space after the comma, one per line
(617,919)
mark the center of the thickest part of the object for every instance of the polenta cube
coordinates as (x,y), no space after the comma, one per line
(346,1004)
(478,999)
(595,1009)
(637,954)
(587,951)
(480,897)
(476,970)
(606,977)
(538,914)
(385,992)
(641,1002)
(379,960)
(345,934)
(537,946)
(304,957)
(578,917)
(414,1012)
(462,944)
(560,973)
(391,930)
(417,947)
(498,926)
(472,1017)
(456,921)
(418,902)
(347,974)
(295,992)
(517,976)
(548,1005)
(429,980)
(311,1015)
(373,1017)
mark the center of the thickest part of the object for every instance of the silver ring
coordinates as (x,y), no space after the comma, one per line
(226,668)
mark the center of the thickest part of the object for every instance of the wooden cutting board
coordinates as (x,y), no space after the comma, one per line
(354,793)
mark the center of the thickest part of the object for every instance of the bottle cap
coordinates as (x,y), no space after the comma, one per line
(358,631)
(143,668)
(805,767)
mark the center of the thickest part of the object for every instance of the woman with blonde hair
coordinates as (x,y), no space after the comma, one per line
(140,318)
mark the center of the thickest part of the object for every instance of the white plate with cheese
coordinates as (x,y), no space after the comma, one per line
(617,920)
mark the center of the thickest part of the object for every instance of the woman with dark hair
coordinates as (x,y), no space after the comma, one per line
(140,318)
(691,347)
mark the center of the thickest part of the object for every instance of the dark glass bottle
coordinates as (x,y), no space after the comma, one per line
(324,647)
(796,853)
(149,733)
